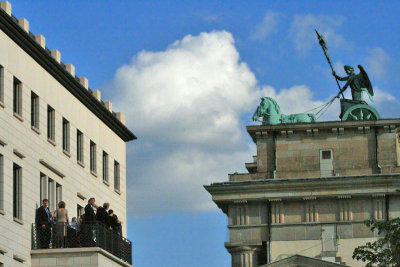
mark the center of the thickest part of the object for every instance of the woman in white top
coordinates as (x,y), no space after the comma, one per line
(61,215)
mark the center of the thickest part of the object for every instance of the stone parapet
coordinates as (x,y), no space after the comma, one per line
(77,257)
(245,176)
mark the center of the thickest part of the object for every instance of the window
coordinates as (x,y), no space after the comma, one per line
(51,194)
(79,146)
(93,157)
(58,193)
(1,182)
(1,84)
(105,166)
(326,154)
(79,211)
(17,191)
(34,110)
(50,123)
(65,132)
(43,187)
(17,97)
(326,162)
(116,176)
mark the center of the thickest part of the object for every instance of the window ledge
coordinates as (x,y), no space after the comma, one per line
(19,117)
(3,250)
(106,183)
(66,153)
(51,142)
(36,130)
(2,142)
(117,191)
(80,195)
(52,168)
(2,212)
(2,104)
(21,222)
(80,163)
(93,173)
(19,258)
(18,153)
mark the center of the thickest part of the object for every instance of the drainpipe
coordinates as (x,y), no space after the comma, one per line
(275,157)
(269,233)
(376,151)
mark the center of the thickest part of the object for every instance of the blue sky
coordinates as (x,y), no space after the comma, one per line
(188,75)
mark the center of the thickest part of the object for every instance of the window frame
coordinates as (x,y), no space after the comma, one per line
(17,96)
(2,85)
(17,191)
(79,147)
(117,176)
(35,110)
(105,167)
(93,158)
(51,119)
(66,135)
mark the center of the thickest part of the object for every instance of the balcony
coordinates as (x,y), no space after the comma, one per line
(79,240)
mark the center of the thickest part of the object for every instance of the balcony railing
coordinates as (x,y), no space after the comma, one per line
(75,235)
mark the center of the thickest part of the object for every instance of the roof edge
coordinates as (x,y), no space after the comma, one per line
(22,39)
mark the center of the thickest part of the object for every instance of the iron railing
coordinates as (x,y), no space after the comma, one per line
(75,235)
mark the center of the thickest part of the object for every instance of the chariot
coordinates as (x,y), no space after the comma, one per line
(352,110)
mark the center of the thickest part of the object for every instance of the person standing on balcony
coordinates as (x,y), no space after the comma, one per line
(102,215)
(89,223)
(43,224)
(61,215)
(90,215)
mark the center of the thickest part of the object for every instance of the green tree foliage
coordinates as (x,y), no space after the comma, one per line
(384,252)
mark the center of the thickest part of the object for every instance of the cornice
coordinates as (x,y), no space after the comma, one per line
(22,38)
(305,187)
(262,131)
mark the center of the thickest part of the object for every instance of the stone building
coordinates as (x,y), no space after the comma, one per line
(309,189)
(58,140)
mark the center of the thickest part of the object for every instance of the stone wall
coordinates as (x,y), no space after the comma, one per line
(77,257)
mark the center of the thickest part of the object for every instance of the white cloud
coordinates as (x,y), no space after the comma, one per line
(377,62)
(185,105)
(386,104)
(303,35)
(267,26)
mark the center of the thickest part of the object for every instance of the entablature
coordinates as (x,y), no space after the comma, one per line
(305,188)
(313,129)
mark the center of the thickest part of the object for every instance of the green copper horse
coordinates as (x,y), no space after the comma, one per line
(270,112)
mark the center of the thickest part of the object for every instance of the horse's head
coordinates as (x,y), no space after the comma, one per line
(267,108)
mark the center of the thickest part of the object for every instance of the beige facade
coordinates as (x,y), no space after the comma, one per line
(309,189)
(38,142)
(76,257)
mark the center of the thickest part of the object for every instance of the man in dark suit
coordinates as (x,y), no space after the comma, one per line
(89,223)
(43,224)
(90,215)
(102,215)
(103,225)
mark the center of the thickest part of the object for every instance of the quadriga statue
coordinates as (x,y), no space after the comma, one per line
(270,112)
